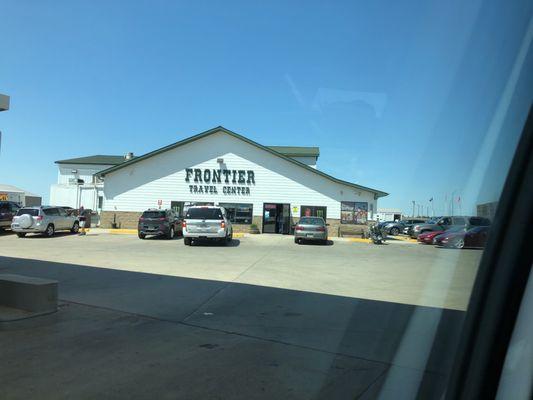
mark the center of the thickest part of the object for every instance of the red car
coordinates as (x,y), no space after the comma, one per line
(475,237)
(428,237)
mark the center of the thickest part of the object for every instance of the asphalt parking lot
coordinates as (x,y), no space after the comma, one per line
(262,318)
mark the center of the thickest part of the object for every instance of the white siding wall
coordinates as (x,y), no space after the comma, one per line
(162,177)
(85,172)
(74,196)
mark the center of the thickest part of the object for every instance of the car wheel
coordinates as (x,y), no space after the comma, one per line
(50,230)
(75,227)
(171,233)
(21,234)
(187,241)
(296,240)
(394,231)
(141,235)
(459,244)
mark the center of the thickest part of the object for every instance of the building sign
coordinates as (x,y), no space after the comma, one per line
(4,196)
(354,212)
(203,181)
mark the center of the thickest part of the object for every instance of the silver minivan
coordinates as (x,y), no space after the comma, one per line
(206,222)
(44,219)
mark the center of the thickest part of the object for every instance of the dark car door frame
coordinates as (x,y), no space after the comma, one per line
(497,294)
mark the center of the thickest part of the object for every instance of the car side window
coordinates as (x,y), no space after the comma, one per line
(459,221)
(445,221)
(51,211)
(62,212)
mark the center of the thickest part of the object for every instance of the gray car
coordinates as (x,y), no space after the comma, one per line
(446,223)
(396,227)
(206,222)
(311,229)
(43,219)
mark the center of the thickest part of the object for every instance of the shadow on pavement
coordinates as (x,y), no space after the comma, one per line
(122,332)
(208,243)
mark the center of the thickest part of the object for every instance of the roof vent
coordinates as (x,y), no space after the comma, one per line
(128,156)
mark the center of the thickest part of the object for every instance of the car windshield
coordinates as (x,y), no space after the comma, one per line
(311,221)
(204,213)
(30,211)
(153,214)
(267,182)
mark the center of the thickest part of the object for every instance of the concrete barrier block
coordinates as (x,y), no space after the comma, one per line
(28,293)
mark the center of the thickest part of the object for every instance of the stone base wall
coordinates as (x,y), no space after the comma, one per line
(124,219)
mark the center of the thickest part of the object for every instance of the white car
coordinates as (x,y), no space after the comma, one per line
(206,222)
(44,219)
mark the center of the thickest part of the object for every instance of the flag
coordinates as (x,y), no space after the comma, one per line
(430,200)
(458,199)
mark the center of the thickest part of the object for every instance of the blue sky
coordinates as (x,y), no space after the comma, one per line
(399,96)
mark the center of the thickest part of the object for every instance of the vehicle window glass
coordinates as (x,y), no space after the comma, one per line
(4,207)
(51,211)
(30,211)
(459,221)
(153,214)
(204,213)
(62,212)
(311,221)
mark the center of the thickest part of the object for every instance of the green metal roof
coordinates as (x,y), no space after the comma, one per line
(292,151)
(378,193)
(95,160)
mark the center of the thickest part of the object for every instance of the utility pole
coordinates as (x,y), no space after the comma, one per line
(453,194)
(413,208)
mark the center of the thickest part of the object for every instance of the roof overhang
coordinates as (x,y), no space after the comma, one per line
(377,193)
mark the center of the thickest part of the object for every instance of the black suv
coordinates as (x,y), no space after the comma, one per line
(160,223)
(8,209)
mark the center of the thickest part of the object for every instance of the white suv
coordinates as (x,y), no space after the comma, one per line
(206,222)
(44,219)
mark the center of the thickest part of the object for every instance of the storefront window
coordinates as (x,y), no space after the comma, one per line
(354,212)
(239,213)
(313,211)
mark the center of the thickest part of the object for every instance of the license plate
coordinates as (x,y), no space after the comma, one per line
(309,235)
(15,225)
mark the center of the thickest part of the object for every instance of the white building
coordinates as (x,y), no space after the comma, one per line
(268,186)
(18,195)
(389,214)
(77,184)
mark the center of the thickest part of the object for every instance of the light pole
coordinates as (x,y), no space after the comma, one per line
(453,194)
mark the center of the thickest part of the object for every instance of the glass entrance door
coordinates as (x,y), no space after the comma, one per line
(269,218)
(276,218)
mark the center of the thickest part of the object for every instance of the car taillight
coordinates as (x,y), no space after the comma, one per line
(184,224)
(222,224)
(39,218)
(162,219)
(299,228)
(321,229)
(141,219)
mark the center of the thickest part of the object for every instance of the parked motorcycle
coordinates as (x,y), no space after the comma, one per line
(377,234)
